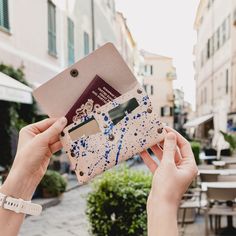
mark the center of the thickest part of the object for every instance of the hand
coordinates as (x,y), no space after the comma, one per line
(171,179)
(176,171)
(37,143)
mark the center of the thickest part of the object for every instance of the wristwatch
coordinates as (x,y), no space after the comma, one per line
(19,205)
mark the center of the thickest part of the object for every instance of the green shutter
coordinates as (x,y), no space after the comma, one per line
(4,20)
(70,41)
(86,43)
(52,48)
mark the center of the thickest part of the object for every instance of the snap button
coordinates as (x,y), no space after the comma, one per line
(139,91)
(149,110)
(159,130)
(111,137)
(74,72)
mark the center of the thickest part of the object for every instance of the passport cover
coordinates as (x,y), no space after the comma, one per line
(95,95)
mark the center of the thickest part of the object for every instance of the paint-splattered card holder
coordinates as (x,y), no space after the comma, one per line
(112,134)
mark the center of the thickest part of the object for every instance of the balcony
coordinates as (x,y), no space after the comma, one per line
(171,75)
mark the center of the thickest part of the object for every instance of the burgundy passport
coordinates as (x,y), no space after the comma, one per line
(95,95)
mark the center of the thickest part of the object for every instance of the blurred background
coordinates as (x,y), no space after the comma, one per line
(182,52)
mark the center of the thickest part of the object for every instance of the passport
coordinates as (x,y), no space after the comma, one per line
(97,93)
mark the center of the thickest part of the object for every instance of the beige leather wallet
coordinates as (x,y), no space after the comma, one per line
(115,131)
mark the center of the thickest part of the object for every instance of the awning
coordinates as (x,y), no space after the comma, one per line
(13,91)
(199,120)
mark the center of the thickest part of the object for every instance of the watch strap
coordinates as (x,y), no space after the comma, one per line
(19,205)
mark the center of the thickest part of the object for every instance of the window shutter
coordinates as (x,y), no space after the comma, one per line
(52,48)
(171,111)
(162,111)
(71,53)
(4,20)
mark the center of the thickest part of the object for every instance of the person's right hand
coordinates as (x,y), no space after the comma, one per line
(171,179)
(176,171)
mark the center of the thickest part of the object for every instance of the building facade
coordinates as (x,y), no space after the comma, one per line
(44,37)
(215,76)
(158,76)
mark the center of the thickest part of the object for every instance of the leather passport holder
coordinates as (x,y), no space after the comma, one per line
(111,133)
(95,95)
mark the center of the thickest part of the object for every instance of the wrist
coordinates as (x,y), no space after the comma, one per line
(18,187)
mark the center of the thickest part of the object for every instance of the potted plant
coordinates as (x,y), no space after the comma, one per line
(53,184)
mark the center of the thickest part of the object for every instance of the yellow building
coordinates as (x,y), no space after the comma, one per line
(158,76)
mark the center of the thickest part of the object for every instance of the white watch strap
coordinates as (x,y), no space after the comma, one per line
(19,205)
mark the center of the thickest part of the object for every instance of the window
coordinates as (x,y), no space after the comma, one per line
(52,48)
(148,70)
(86,43)
(71,52)
(227,81)
(166,111)
(228,27)
(224,32)
(4,21)
(151,88)
(218,38)
(208,48)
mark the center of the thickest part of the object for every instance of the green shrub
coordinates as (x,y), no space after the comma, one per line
(117,205)
(196,147)
(231,139)
(53,183)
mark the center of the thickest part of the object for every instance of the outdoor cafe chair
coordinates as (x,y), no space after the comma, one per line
(220,194)
(209,177)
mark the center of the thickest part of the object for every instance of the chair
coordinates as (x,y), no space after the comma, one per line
(208,177)
(219,194)
(227,178)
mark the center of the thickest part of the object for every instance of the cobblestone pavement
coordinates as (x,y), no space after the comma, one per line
(66,219)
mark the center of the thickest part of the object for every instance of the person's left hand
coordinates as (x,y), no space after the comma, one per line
(37,143)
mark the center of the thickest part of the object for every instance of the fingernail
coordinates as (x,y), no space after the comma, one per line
(170,136)
(63,120)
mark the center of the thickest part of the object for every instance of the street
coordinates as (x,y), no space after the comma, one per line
(67,218)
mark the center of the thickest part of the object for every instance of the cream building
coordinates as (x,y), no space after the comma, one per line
(215,76)
(44,37)
(158,77)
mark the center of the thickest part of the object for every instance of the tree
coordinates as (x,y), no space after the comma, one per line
(13,116)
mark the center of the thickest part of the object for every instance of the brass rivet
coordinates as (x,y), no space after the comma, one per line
(139,91)
(159,130)
(111,137)
(74,72)
(105,126)
(98,112)
(81,173)
(149,110)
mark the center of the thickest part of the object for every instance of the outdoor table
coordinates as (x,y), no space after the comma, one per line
(219,164)
(219,171)
(229,229)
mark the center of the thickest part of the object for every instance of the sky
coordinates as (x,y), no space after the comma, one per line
(165,27)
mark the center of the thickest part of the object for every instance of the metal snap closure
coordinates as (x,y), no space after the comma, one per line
(159,130)
(139,91)
(149,110)
(98,112)
(105,126)
(81,173)
(111,137)
(74,72)
(62,134)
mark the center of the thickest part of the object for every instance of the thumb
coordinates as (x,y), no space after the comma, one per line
(169,148)
(55,128)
